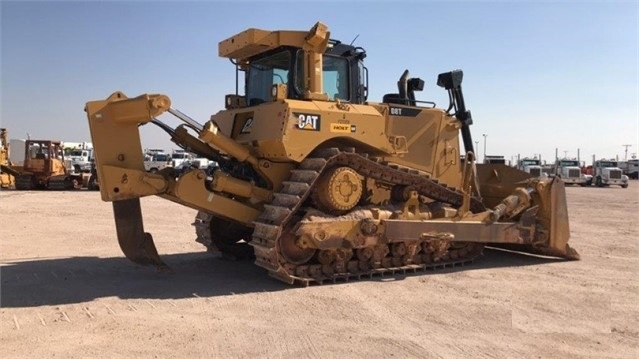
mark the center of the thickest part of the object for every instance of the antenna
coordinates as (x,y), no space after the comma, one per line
(626,156)
(354,40)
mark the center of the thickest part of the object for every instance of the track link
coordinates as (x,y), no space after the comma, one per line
(277,220)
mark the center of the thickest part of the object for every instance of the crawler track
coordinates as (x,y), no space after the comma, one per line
(277,220)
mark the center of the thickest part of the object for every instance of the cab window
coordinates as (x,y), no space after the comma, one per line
(334,76)
(264,73)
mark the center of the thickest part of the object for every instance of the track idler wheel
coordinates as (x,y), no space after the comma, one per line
(294,249)
(338,190)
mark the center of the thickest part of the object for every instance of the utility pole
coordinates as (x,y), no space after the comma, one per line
(485,135)
(565,154)
(626,156)
(476,150)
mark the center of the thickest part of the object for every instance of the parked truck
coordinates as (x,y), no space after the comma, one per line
(156,160)
(494,159)
(180,156)
(78,156)
(607,172)
(569,170)
(630,168)
(529,165)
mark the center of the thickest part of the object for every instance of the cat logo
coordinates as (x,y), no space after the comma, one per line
(247,125)
(307,121)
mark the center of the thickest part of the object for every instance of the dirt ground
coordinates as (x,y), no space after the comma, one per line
(67,291)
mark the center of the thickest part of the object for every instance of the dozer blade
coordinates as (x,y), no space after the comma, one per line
(9,170)
(136,244)
(497,181)
(555,210)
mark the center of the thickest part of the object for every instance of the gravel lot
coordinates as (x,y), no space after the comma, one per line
(67,291)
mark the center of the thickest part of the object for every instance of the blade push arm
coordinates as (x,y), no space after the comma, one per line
(123,179)
(118,150)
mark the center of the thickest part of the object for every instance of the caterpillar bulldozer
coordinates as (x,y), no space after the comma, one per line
(44,168)
(315,182)
(7,172)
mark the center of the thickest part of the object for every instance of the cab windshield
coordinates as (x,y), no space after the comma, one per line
(160,157)
(264,73)
(335,77)
(179,156)
(77,153)
(608,164)
(530,162)
(569,163)
(276,69)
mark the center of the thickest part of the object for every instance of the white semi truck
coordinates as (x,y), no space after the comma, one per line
(78,156)
(569,170)
(607,172)
(530,165)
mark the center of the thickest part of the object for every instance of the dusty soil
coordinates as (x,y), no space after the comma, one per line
(67,291)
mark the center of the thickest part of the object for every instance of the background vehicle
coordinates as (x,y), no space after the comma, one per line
(196,163)
(7,174)
(93,183)
(630,168)
(320,182)
(606,173)
(495,159)
(529,165)
(16,155)
(156,161)
(180,156)
(569,170)
(78,156)
(44,168)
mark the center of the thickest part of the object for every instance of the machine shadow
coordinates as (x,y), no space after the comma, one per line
(80,279)
(500,257)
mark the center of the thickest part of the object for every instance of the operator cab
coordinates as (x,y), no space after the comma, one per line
(342,66)
(295,65)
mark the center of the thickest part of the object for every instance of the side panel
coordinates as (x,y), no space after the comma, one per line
(312,123)
(421,138)
(432,141)
(290,130)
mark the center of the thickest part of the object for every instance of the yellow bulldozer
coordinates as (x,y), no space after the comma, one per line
(44,168)
(316,182)
(7,172)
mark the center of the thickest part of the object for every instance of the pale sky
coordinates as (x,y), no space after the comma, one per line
(538,75)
